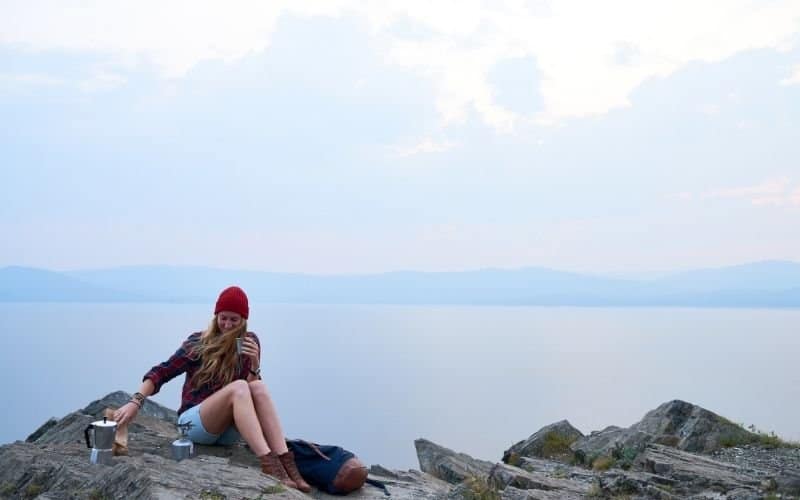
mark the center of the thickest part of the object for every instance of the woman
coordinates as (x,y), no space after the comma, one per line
(223,395)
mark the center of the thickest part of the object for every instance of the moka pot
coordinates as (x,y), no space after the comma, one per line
(100,438)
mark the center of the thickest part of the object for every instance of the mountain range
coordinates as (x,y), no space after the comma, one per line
(758,284)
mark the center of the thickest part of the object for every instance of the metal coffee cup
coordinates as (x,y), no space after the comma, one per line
(182,448)
(239,345)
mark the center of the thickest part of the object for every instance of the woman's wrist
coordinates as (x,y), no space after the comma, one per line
(138,399)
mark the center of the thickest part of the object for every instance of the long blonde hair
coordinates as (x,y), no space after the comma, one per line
(217,351)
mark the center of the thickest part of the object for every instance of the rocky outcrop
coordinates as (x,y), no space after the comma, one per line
(676,424)
(668,454)
(691,428)
(677,451)
(53,463)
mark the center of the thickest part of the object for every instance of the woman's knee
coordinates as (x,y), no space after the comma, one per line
(258,388)
(239,389)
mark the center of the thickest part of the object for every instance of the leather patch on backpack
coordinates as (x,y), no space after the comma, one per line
(351,476)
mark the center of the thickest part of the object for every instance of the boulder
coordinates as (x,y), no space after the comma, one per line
(692,428)
(676,423)
(449,465)
(552,442)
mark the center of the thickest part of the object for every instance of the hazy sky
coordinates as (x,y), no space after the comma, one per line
(341,136)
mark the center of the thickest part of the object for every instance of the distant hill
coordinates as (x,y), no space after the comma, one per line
(762,284)
(490,286)
(25,284)
(765,276)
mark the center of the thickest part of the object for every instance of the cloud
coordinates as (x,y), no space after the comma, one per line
(794,78)
(174,35)
(30,79)
(100,80)
(426,145)
(590,55)
(771,192)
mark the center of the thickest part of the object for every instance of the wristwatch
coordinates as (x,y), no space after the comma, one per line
(256,372)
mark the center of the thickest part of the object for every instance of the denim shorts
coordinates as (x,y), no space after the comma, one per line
(198,434)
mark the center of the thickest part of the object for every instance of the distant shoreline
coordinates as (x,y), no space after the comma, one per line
(760,285)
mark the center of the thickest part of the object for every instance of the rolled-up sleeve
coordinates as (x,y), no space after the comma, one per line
(171,368)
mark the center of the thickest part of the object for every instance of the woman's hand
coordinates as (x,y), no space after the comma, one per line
(251,350)
(126,413)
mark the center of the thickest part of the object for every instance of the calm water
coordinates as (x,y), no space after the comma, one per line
(374,378)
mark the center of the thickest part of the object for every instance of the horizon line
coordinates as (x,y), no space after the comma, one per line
(599,273)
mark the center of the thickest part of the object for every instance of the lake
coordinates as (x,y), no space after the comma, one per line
(374,378)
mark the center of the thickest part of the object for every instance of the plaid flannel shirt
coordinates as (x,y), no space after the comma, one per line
(182,362)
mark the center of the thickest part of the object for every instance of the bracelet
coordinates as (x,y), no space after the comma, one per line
(138,399)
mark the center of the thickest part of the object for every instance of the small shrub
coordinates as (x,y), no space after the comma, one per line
(94,494)
(578,458)
(514,459)
(603,463)
(32,491)
(731,440)
(479,489)
(668,440)
(7,489)
(595,491)
(557,444)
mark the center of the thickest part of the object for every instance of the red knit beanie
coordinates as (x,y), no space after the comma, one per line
(233,299)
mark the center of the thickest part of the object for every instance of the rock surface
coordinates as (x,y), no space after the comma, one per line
(676,452)
(54,464)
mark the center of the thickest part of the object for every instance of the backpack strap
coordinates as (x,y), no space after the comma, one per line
(316,449)
(379,484)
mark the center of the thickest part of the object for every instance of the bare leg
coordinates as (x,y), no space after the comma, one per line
(268,417)
(234,404)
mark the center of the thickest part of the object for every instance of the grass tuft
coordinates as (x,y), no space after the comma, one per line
(603,463)
(514,459)
(557,444)
(32,491)
(479,489)
(756,436)
(595,491)
(6,489)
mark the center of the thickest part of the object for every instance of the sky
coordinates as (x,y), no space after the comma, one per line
(363,136)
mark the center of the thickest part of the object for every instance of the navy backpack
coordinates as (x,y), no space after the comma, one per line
(330,468)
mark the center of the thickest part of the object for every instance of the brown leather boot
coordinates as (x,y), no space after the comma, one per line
(287,459)
(271,465)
